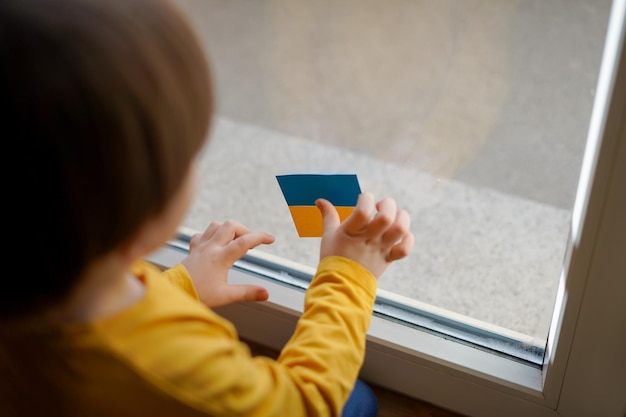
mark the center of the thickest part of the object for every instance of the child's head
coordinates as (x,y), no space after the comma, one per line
(106,103)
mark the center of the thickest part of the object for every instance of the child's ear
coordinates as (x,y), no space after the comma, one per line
(145,240)
(131,249)
(159,228)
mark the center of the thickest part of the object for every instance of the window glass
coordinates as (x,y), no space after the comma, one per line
(473,115)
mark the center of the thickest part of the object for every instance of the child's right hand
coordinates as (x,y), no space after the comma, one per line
(213,253)
(374,235)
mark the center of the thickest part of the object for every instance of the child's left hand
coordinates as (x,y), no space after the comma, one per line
(213,253)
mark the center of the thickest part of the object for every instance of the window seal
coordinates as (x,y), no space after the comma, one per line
(402,310)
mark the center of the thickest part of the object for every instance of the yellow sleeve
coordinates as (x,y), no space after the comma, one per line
(195,357)
(327,348)
(179,276)
(176,275)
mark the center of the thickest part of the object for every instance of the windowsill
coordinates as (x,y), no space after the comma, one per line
(271,324)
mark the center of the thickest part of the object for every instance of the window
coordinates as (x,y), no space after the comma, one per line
(472,115)
(450,359)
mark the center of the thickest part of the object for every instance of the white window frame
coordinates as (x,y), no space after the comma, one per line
(584,367)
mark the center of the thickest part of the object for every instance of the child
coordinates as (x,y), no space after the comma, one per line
(108,103)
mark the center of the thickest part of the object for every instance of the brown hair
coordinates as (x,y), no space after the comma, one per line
(107,103)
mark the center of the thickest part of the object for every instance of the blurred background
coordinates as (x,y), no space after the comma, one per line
(473,115)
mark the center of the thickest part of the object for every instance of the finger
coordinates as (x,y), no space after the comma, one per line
(402,248)
(385,216)
(240,245)
(228,231)
(211,229)
(330,217)
(237,293)
(195,240)
(398,228)
(358,220)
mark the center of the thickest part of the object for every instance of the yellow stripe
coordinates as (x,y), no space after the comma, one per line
(308,219)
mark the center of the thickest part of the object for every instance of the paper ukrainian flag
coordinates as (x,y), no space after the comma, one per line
(301,191)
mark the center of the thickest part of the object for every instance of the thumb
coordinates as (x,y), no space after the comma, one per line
(329,214)
(237,293)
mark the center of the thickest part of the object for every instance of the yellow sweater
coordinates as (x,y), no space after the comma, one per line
(169,355)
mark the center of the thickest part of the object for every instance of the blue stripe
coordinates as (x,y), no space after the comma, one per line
(304,189)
